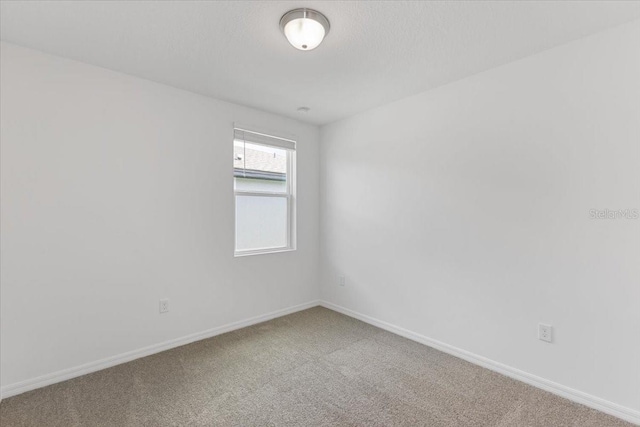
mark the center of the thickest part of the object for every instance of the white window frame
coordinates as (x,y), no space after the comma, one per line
(289,195)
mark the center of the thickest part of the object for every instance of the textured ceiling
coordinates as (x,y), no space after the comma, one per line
(376,52)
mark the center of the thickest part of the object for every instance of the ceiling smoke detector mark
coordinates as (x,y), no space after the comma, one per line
(303,109)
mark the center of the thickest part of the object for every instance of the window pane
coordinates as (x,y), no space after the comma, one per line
(261,222)
(259,168)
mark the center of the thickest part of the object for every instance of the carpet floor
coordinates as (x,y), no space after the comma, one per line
(312,368)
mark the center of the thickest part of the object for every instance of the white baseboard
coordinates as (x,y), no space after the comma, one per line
(87,368)
(594,402)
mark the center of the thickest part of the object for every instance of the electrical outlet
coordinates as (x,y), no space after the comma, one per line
(342,280)
(545,332)
(164,305)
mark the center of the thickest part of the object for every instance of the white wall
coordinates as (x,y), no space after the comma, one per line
(116,192)
(462,214)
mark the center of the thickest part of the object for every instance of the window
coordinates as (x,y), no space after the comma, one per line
(264,186)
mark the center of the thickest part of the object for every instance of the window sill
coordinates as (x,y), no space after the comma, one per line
(262,252)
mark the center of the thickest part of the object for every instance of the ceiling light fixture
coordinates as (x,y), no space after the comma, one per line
(304,28)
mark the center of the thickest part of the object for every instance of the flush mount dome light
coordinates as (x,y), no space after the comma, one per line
(304,28)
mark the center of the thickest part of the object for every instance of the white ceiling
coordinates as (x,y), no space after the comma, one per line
(376,52)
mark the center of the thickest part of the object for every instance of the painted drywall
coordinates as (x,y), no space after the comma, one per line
(116,192)
(463,214)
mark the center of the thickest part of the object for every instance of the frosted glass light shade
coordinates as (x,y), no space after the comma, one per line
(304,28)
(304,33)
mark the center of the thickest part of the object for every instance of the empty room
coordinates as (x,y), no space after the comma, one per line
(320,213)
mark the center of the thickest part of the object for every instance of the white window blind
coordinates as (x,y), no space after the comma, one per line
(262,139)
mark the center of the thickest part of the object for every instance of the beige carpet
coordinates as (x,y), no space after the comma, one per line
(312,368)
